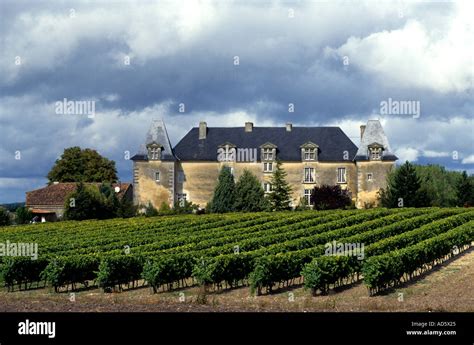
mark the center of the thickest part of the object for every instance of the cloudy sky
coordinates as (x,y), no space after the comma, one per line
(229,62)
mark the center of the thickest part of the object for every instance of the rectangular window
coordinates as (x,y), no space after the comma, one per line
(267,167)
(267,187)
(309,154)
(370,177)
(341,175)
(308,175)
(267,154)
(307,196)
(157,176)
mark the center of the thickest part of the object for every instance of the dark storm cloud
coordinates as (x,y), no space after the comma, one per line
(184,53)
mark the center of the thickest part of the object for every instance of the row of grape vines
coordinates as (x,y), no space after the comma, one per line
(262,250)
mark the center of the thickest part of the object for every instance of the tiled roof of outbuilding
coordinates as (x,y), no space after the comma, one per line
(56,194)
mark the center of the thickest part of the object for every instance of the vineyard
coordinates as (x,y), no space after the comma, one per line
(265,251)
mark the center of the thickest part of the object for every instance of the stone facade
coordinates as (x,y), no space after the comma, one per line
(167,176)
(371,177)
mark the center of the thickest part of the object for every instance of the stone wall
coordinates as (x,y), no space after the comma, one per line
(368,189)
(200,178)
(147,189)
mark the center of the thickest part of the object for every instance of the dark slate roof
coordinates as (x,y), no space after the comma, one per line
(374,133)
(156,134)
(332,142)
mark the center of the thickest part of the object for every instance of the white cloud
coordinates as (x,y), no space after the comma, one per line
(112,97)
(424,49)
(43,40)
(435,154)
(418,55)
(412,138)
(407,154)
(468,160)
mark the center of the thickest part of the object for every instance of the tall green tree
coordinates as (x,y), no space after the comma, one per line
(87,165)
(439,184)
(108,201)
(23,215)
(126,208)
(464,191)
(280,197)
(404,189)
(82,204)
(223,199)
(249,194)
(4,217)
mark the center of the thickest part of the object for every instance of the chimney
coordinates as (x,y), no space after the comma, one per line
(202,130)
(289,127)
(248,126)
(362,130)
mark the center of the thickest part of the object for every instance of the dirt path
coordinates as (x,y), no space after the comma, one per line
(448,288)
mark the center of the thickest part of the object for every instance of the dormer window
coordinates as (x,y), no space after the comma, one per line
(375,154)
(154,151)
(309,152)
(227,154)
(268,152)
(375,151)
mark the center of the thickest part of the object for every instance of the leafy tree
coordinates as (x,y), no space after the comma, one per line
(82,204)
(279,198)
(165,209)
(23,215)
(249,194)
(439,184)
(184,207)
(150,211)
(126,208)
(404,189)
(223,199)
(87,165)
(12,207)
(90,202)
(464,191)
(303,205)
(4,217)
(108,202)
(330,197)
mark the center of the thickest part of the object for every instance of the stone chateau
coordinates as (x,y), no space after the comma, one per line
(311,156)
